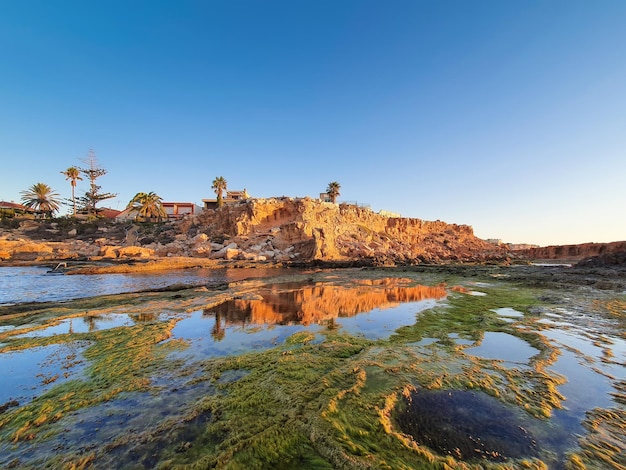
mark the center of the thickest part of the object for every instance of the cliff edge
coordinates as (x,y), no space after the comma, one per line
(309,229)
(295,230)
(572,252)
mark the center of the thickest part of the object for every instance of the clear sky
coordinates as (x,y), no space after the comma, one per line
(509,116)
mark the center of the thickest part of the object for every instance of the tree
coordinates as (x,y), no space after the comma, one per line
(333,191)
(72,174)
(148,206)
(42,199)
(93,196)
(219,186)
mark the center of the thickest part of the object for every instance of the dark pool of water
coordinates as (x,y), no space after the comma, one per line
(467,424)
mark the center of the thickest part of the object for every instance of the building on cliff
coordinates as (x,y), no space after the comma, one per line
(11,209)
(231,198)
(178,210)
(174,210)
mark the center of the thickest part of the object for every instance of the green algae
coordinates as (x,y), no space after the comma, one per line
(121,361)
(328,404)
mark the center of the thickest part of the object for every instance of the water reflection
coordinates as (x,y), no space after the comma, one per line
(372,309)
(31,372)
(504,347)
(88,324)
(284,304)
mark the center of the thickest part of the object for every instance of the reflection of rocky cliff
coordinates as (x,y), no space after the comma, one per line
(314,304)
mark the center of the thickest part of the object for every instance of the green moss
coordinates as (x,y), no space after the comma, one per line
(121,360)
(301,404)
(302,337)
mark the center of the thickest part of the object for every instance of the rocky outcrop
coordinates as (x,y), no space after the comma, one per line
(617,260)
(286,229)
(572,252)
(25,250)
(264,230)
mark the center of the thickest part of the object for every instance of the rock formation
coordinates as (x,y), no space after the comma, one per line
(572,252)
(277,230)
(287,229)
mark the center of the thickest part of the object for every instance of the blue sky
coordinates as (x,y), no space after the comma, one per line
(509,116)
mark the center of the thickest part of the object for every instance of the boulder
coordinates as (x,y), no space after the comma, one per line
(135,252)
(199,239)
(231,253)
(108,251)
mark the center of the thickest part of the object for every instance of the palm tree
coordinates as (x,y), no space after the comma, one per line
(333,190)
(148,206)
(219,186)
(72,174)
(41,198)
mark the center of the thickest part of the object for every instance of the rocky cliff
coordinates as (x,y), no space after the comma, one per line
(278,229)
(307,229)
(572,252)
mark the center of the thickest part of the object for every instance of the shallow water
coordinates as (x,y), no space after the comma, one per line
(29,373)
(34,284)
(233,327)
(209,337)
(265,318)
(503,347)
(508,312)
(86,324)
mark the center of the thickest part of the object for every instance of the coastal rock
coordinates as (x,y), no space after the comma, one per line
(171,249)
(571,252)
(135,252)
(29,225)
(277,229)
(199,239)
(231,253)
(126,252)
(108,252)
(326,231)
(23,250)
(613,259)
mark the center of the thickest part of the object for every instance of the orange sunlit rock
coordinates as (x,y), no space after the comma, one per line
(315,304)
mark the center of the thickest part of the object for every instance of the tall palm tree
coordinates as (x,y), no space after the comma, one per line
(42,199)
(148,206)
(72,174)
(333,190)
(219,186)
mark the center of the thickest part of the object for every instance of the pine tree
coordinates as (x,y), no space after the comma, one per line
(93,196)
